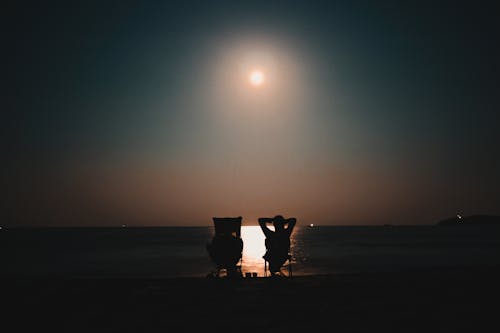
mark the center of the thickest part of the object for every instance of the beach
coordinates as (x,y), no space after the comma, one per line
(346,279)
(438,300)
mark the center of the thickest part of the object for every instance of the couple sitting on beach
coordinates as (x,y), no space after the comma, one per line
(226,246)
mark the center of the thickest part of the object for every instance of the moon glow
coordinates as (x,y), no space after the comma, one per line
(256,78)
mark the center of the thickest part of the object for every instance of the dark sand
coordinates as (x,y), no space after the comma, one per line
(465,300)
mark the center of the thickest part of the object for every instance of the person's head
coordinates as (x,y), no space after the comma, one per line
(279,223)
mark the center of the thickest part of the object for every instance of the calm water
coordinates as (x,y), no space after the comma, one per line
(178,251)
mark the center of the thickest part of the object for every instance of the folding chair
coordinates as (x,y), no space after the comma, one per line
(287,264)
(226,247)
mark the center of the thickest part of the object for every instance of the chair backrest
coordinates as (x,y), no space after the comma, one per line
(228,226)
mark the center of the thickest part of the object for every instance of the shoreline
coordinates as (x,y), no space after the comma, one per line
(296,276)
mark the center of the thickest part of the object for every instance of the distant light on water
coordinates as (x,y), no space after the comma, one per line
(311,225)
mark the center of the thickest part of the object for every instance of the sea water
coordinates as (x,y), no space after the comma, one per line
(181,252)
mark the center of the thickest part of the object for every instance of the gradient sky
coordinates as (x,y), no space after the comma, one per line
(140,112)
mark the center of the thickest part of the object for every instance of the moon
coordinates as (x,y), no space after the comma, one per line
(256,78)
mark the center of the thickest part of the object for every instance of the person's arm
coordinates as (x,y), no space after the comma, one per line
(291,224)
(262,222)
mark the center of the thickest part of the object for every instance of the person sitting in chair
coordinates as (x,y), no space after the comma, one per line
(226,246)
(226,251)
(277,241)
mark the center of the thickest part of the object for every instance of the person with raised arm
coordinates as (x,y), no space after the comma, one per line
(277,241)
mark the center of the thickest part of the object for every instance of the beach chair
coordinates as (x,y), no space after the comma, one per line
(287,265)
(226,247)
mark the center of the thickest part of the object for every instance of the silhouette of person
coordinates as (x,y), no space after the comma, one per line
(226,246)
(225,250)
(277,241)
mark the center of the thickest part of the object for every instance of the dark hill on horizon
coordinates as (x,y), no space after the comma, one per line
(471,220)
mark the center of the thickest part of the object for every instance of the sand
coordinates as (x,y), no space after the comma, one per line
(451,300)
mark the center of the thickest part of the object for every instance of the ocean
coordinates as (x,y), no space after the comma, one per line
(171,252)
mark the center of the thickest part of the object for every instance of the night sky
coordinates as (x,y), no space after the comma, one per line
(139,112)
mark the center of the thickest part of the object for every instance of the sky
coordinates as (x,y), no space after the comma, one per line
(141,112)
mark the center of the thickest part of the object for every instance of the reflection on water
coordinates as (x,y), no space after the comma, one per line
(254,248)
